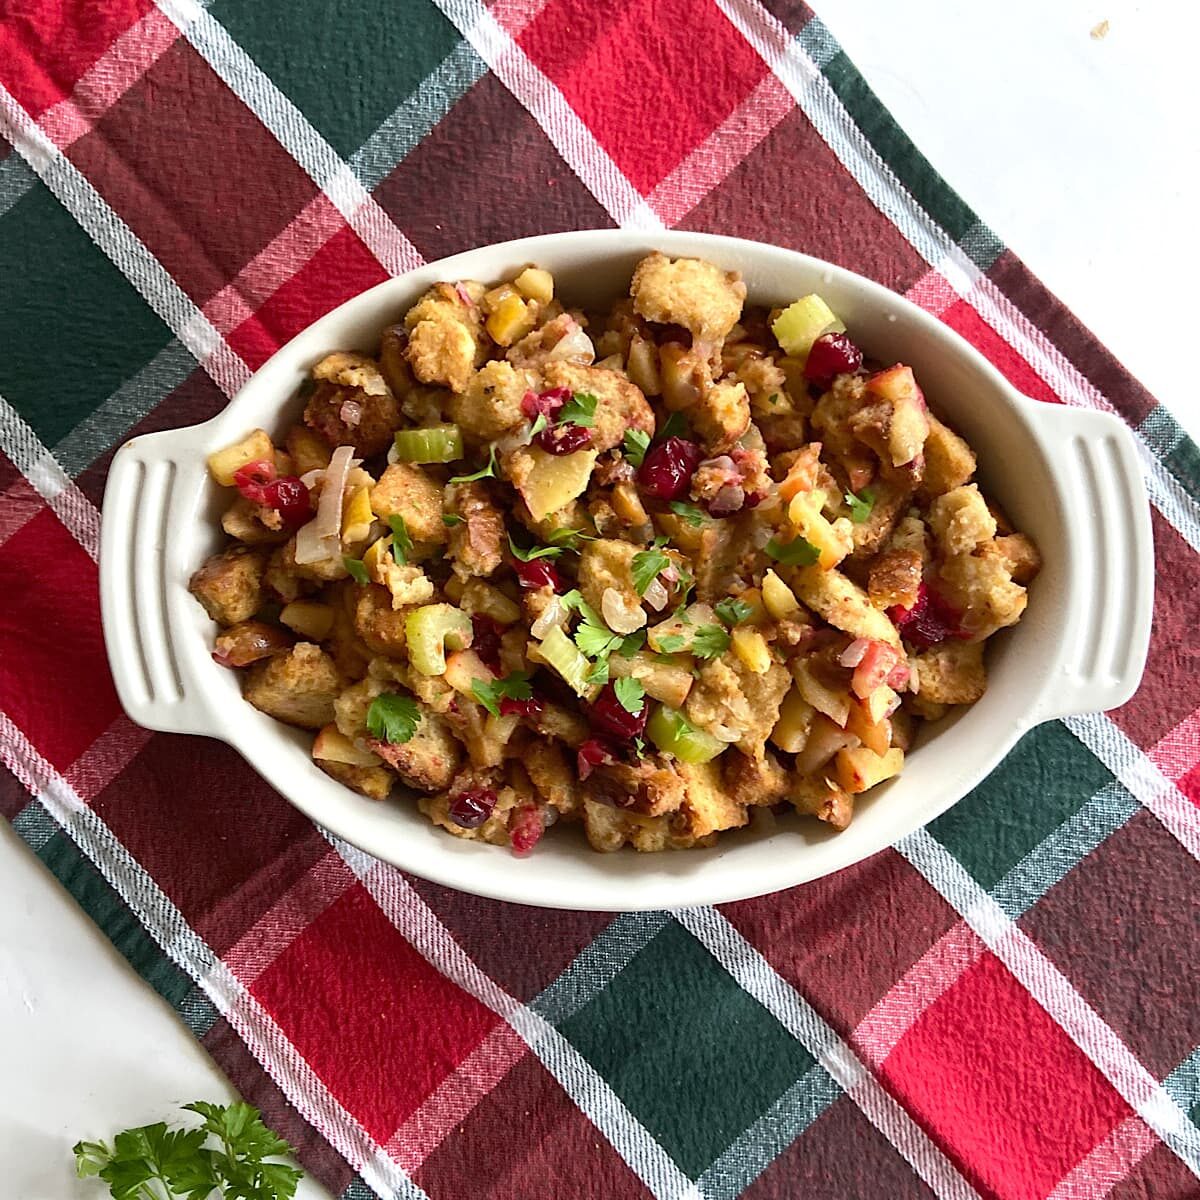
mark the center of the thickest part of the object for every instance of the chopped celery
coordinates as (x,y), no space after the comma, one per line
(801,323)
(433,444)
(560,653)
(430,631)
(674,734)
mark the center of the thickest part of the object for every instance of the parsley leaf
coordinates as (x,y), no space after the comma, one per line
(179,1162)
(799,552)
(632,644)
(569,538)
(635,443)
(401,543)
(860,505)
(690,513)
(358,572)
(538,426)
(639,746)
(451,519)
(646,566)
(512,687)
(630,695)
(579,410)
(669,643)
(709,641)
(594,639)
(393,718)
(733,612)
(598,675)
(487,472)
(530,555)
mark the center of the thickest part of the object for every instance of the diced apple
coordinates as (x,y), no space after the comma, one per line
(510,321)
(833,539)
(875,734)
(835,705)
(331,745)
(751,648)
(553,481)
(309,618)
(357,516)
(860,769)
(536,284)
(479,597)
(825,739)
(663,681)
(795,722)
(882,702)
(877,663)
(778,599)
(463,667)
(223,465)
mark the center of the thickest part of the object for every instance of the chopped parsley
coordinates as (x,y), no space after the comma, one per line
(635,443)
(451,519)
(799,552)
(595,639)
(690,513)
(632,644)
(675,426)
(646,567)
(630,695)
(579,410)
(598,675)
(358,572)
(530,555)
(487,472)
(401,543)
(709,641)
(569,538)
(512,687)
(733,612)
(860,505)
(669,643)
(393,718)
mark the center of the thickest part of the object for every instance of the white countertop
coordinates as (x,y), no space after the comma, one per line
(1074,150)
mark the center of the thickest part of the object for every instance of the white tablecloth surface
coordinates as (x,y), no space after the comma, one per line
(1081,153)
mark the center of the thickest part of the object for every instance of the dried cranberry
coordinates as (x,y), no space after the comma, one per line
(521,708)
(609,716)
(564,439)
(930,621)
(287,495)
(831,354)
(469,810)
(668,468)
(539,573)
(544,404)
(592,754)
(525,828)
(486,642)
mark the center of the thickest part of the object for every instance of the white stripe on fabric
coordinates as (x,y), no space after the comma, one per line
(1137,771)
(127,252)
(534,91)
(1107,1163)
(788,58)
(1056,995)
(164,922)
(22,447)
(591,1093)
(415,117)
(759,979)
(291,128)
(16,178)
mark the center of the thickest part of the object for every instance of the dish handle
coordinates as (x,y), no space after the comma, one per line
(150,507)
(1110,569)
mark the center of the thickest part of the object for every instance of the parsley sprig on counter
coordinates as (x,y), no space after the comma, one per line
(230,1154)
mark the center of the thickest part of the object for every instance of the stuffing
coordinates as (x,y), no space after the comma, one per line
(229,584)
(982,587)
(477,542)
(445,336)
(620,405)
(960,520)
(687,291)
(377,623)
(352,405)
(949,461)
(951,673)
(375,783)
(408,492)
(298,687)
(490,404)
(722,416)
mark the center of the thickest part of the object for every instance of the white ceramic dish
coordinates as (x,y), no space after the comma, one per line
(1068,477)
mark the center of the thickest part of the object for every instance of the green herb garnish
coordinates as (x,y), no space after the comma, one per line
(635,443)
(690,513)
(674,426)
(799,552)
(646,567)
(709,641)
(671,643)
(630,695)
(530,555)
(733,612)
(512,687)
(538,425)
(569,538)
(451,519)
(357,569)
(598,675)
(631,644)
(579,410)
(860,505)
(393,718)
(486,472)
(401,543)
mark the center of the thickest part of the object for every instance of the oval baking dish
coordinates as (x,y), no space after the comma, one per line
(1068,477)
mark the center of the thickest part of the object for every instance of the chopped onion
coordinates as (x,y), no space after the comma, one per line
(855,652)
(313,477)
(656,595)
(669,574)
(893,704)
(350,412)
(729,499)
(463,294)
(552,617)
(618,616)
(575,346)
(325,540)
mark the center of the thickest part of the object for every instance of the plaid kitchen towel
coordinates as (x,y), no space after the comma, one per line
(1006,1004)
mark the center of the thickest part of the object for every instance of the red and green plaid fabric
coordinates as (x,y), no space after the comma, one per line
(1006,1004)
